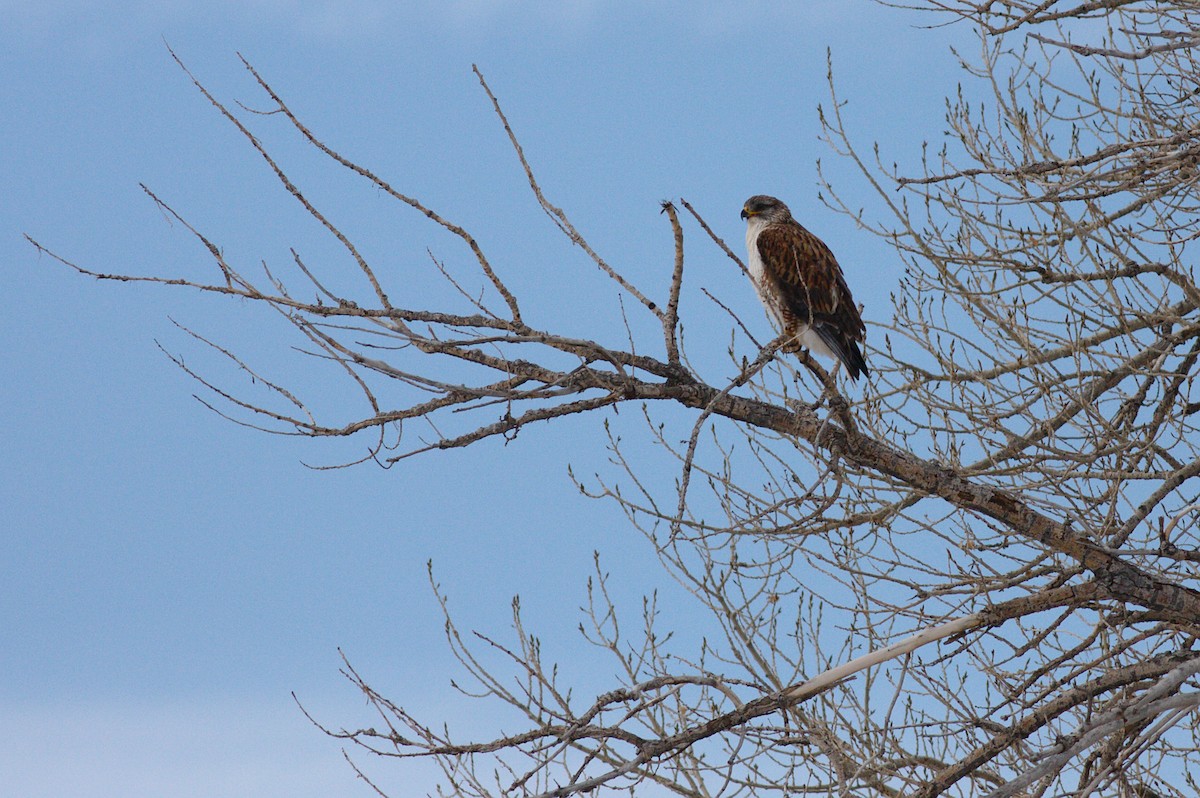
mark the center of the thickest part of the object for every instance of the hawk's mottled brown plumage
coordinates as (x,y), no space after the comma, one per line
(801,284)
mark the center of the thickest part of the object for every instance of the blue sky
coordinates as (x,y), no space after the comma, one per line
(169,579)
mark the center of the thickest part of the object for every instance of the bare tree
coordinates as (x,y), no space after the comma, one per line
(1004,522)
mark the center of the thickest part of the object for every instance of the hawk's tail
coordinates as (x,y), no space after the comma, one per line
(844,347)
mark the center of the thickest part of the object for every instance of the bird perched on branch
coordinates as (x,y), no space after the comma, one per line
(801,285)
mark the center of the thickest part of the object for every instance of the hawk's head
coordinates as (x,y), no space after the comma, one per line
(768,209)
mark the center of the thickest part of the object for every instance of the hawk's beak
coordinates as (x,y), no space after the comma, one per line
(746,214)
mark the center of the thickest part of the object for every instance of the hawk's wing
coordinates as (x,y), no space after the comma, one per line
(811,290)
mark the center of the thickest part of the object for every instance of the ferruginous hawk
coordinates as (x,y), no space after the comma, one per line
(801,285)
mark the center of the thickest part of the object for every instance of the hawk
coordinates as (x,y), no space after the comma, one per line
(801,285)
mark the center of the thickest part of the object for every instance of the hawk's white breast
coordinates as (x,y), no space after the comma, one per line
(754,226)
